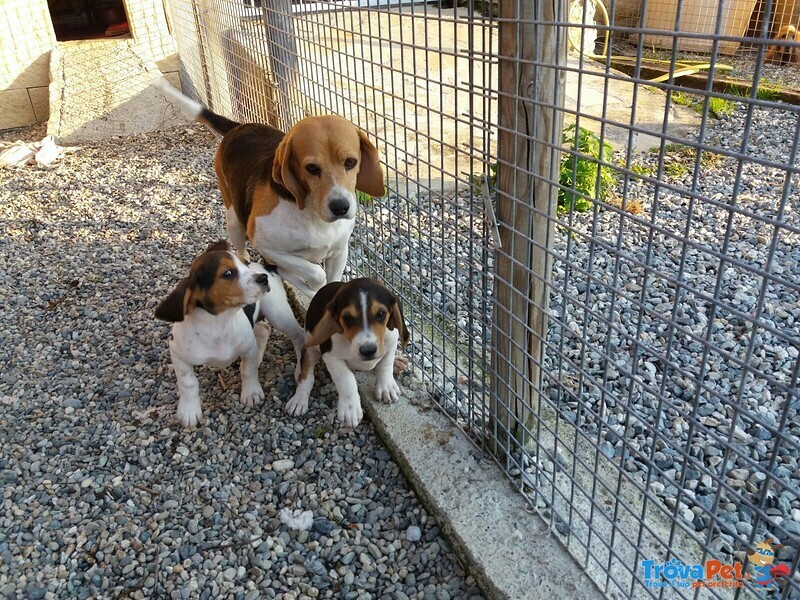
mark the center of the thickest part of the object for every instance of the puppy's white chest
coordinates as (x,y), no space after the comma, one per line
(216,346)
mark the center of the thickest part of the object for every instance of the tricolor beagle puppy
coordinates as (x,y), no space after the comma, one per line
(354,325)
(293,195)
(215,313)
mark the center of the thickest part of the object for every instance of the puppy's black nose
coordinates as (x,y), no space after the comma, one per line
(339,206)
(368,350)
(263,279)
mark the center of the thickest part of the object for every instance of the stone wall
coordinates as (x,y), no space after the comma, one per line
(26,39)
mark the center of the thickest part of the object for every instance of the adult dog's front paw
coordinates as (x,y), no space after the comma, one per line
(251,393)
(317,277)
(349,411)
(386,390)
(190,412)
(297,405)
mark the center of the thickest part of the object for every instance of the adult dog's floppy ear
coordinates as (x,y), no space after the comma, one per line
(171,308)
(396,321)
(370,174)
(283,171)
(328,325)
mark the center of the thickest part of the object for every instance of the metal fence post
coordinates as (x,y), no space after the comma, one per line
(530,125)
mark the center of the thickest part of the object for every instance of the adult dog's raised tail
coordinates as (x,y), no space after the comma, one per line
(193,109)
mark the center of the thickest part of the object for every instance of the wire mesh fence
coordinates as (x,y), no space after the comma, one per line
(597,249)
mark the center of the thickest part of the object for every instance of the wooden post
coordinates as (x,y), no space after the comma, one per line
(530,125)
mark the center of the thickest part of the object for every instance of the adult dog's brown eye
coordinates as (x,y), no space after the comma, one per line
(313,169)
(350,163)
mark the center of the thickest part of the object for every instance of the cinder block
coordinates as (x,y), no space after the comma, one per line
(34,74)
(40,100)
(15,109)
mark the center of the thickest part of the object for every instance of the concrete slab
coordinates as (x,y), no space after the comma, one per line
(510,552)
(589,93)
(101,88)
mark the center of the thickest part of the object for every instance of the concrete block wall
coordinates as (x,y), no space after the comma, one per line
(27,39)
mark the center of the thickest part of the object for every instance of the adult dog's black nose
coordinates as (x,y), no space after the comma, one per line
(263,280)
(339,207)
(368,350)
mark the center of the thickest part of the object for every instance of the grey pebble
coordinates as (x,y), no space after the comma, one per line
(413,533)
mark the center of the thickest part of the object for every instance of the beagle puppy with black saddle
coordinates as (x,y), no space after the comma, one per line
(354,325)
(216,313)
(292,195)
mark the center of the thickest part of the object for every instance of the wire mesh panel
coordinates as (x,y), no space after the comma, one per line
(593,225)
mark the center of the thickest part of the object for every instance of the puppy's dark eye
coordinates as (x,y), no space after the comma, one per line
(229,274)
(381,315)
(313,169)
(349,320)
(350,163)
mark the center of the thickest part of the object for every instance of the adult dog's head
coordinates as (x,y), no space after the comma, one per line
(322,161)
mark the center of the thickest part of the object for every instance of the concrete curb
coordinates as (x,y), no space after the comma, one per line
(509,552)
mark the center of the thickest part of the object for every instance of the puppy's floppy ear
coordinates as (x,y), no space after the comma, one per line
(191,298)
(283,171)
(171,308)
(370,173)
(328,325)
(396,321)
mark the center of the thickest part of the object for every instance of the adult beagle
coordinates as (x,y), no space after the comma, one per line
(293,195)
(215,313)
(354,325)
(785,54)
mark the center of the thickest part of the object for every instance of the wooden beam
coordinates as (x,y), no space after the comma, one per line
(530,130)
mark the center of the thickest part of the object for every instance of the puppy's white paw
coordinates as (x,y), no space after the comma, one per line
(297,405)
(401,363)
(386,390)
(190,412)
(349,411)
(251,393)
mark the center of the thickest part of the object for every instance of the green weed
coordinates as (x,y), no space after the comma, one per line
(643,169)
(580,172)
(720,107)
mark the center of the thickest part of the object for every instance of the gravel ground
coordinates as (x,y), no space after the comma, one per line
(736,424)
(728,437)
(103,495)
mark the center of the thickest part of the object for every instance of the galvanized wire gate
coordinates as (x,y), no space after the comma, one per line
(623,335)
